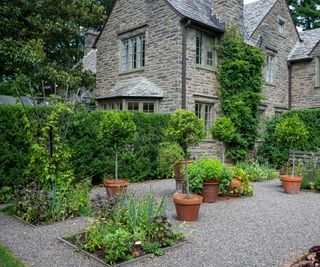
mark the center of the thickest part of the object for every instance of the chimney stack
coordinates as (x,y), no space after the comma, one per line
(90,38)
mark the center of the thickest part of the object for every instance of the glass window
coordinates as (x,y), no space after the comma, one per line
(112,106)
(206,113)
(133,53)
(270,67)
(148,107)
(205,54)
(281,26)
(133,106)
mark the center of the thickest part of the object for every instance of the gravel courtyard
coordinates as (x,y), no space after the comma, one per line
(268,229)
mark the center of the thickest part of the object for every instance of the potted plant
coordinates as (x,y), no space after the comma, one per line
(205,176)
(291,131)
(170,158)
(240,184)
(187,130)
(117,128)
(223,130)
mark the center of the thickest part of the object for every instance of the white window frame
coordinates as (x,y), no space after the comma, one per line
(114,105)
(281,26)
(124,105)
(270,69)
(317,71)
(206,112)
(204,48)
(133,51)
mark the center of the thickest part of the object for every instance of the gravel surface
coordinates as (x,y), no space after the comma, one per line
(268,229)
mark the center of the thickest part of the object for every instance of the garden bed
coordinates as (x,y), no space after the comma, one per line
(99,255)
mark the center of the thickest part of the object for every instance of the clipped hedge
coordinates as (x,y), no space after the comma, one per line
(277,154)
(91,156)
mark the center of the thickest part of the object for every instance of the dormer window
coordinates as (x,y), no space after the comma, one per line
(281,26)
(133,53)
(206,56)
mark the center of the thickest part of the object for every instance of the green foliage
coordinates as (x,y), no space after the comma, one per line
(246,188)
(6,194)
(258,172)
(91,155)
(226,177)
(223,129)
(240,78)
(186,129)
(306,13)
(132,223)
(169,153)
(42,42)
(291,131)
(278,153)
(7,259)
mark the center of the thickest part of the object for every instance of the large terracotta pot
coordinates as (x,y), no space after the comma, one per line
(210,191)
(291,184)
(187,209)
(115,186)
(235,185)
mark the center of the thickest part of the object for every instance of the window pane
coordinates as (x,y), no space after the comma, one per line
(133,53)
(148,107)
(133,106)
(199,48)
(205,112)
(198,110)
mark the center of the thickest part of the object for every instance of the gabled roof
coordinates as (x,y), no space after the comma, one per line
(199,11)
(138,87)
(310,39)
(254,14)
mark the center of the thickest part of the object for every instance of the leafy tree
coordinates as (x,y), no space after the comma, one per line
(306,13)
(41,43)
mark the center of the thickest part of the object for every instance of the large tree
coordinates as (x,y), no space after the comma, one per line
(41,42)
(306,13)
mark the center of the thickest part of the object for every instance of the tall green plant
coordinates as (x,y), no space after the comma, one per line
(291,131)
(117,128)
(240,77)
(187,130)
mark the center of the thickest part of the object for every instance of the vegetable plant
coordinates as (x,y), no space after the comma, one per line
(292,132)
(117,128)
(187,130)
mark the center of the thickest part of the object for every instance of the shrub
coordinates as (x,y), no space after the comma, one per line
(6,194)
(169,153)
(277,154)
(258,172)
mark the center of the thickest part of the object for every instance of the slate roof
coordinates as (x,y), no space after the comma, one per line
(309,40)
(90,61)
(199,11)
(254,13)
(10,100)
(135,87)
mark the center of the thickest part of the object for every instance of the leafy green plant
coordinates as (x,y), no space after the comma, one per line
(187,130)
(117,128)
(246,188)
(240,78)
(291,131)
(169,154)
(224,131)
(7,259)
(258,172)
(227,175)
(6,194)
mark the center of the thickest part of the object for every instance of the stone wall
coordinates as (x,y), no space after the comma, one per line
(305,93)
(280,46)
(229,11)
(163,61)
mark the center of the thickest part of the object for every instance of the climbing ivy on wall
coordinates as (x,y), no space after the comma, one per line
(240,78)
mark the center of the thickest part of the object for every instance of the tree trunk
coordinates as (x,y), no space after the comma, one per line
(293,162)
(116,161)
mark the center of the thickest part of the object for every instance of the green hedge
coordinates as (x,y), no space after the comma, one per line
(91,156)
(277,154)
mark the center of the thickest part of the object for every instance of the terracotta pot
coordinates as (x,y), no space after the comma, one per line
(291,184)
(210,191)
(234,187)
(187,209)
(115,186)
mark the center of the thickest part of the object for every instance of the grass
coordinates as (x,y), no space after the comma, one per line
(7,259)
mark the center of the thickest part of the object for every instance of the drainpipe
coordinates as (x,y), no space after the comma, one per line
(184,64)
(290,85)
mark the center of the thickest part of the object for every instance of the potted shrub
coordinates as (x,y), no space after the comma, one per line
(187,130)
(291,131)
(223,130)
(240,184)
(205,176)
(170,160)
(117,128)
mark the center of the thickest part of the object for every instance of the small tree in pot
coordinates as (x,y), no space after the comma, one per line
(223,130)
(292,132)
(187,130)
(117,128)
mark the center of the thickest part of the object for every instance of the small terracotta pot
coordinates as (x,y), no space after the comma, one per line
(115,186)
(291,184)
(235,185)
(210,191)
(187,209)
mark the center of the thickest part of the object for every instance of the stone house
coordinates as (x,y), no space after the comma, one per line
(158,56)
